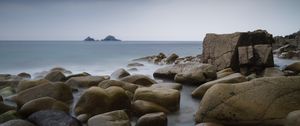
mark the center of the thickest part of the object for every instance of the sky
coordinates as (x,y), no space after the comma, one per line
(169,20)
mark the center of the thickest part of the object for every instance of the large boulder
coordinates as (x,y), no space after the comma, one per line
(191,73)
(153,119)
(175,86)
(55,76)
(139,80)
(85,81)
(224,73)
(141,107)
(96,100)
(167,98)
(294,67)
(119,73)
(114,118)
(17,122)
(272,72)
(171,59)
(263,101)
(58,91)
(293,118)
(251,51)
(78,75)
(44,103)
(25,84)
(125,85)
(53,118)
(230,79)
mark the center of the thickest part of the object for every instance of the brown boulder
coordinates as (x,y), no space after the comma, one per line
(153,119)
(139,80)
(141,107)
(120,73)
(55,76)
(294,67)
(125,85)
(85,81)
(25,84)
(114,118)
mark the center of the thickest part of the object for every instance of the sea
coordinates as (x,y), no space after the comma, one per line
(102,58)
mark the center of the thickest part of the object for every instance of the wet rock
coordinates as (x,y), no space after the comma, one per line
(44,103)
(17,122)
(9,115)
(53,118)
(114,118)
(7,91)
(141,107)
(96,100)
(55,76)
(294,67)
(191,73)
(175,86)
(135,64)
(26,84)
(271,98)
(85,81)
(4,108)
(120,73)
(272,72)
(230,79)
(293,118)
(167,98)
(171,59)
(24,75)
(58,91)
(248,50)
(139,80)
(78,75)
(125,85)
(153,119)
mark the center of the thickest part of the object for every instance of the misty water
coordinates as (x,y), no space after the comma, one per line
(101,58)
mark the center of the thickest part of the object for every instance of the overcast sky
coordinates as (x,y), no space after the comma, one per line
(143,19)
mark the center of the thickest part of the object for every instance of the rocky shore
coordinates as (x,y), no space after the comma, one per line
(234,82)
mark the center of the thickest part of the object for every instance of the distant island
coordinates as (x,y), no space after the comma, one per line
(110,38)
(107,38)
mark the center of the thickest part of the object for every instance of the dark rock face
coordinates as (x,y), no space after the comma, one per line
(89,39)
(53,118)
(242,51)
(110,38)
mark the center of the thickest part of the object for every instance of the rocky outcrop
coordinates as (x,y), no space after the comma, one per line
(89,39)
(190,73)
(230,79)
(242,51)
(153,119)
(114,118)
(110,38)
(263,101)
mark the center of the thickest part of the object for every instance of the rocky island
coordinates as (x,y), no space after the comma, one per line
(235,78)
(110,38)
(89,39)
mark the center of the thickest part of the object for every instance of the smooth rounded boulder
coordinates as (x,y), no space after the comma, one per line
(167,98)
(114,118)
(25,84)
(53,118)
(58,91)
(85,81)
(139,80)
(55,76)
(153,119)
(175,86)
(230,79)
(293,118)
(120,73)
(259,101)
(125,85)
(17,122)
(141,107)
(24,75)
(44,103)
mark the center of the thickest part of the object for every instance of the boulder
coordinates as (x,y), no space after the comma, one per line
(141,107)
(294,67)
(9,115)
(55,76)
(114,118)
(263,101)
(53,118)
(26,84)
(120,73)
(17,122)
(192,73)
(293,118)
(58,91)
(272,72)
(83,118)
(153,119)
(171,59)
(44,103)
(248,50)
(135,64)
(125,85)
(63,70)
(85,81)
(224,73)
(139,80)
(24,75)
(4,108)
(78,75)
(96,100)
(230,79)
(175,86)
(167,98)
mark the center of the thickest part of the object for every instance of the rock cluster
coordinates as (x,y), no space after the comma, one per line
(287,47)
